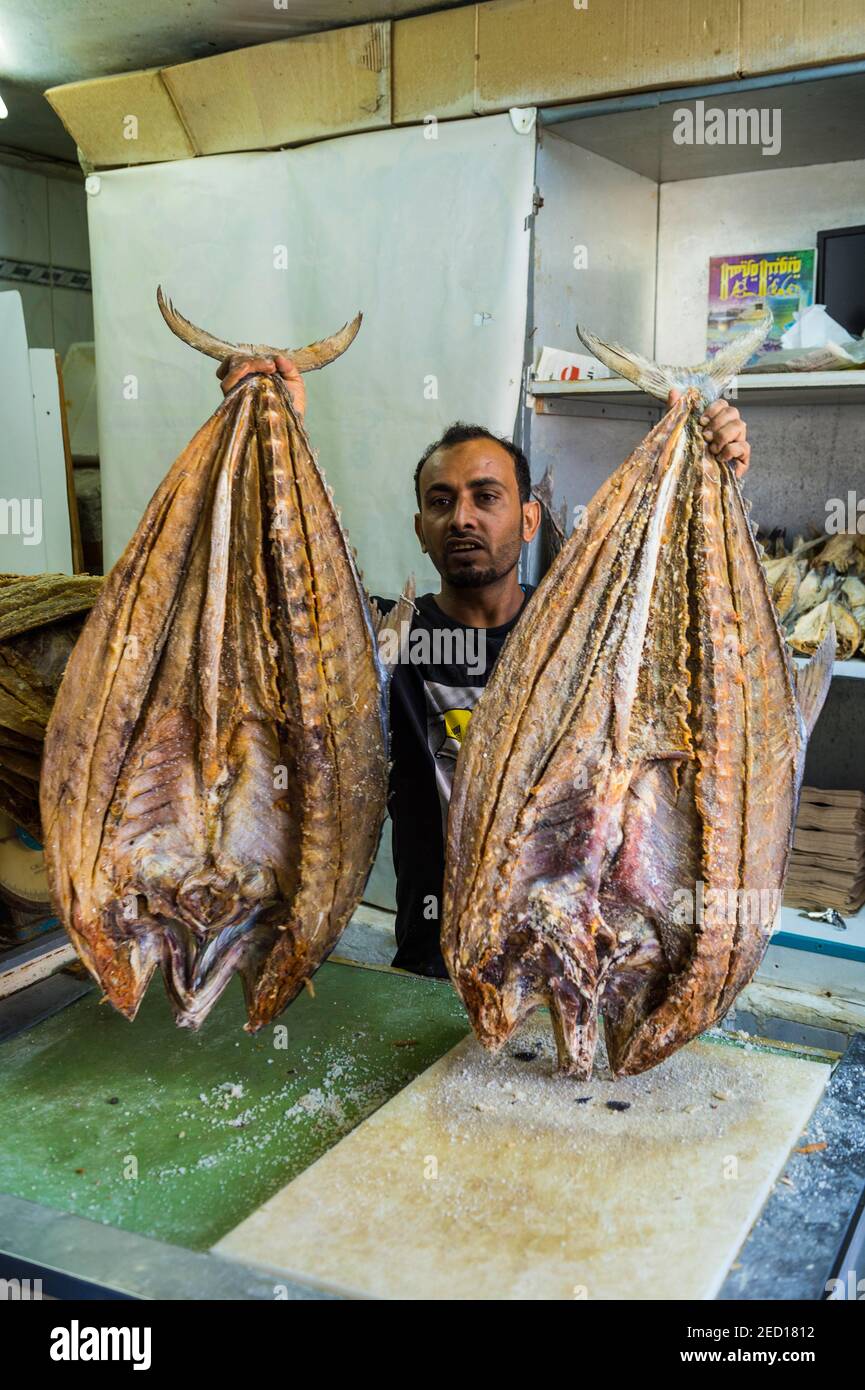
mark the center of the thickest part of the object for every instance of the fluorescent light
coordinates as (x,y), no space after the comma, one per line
(3,111)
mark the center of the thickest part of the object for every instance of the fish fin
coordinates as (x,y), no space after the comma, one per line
(726,363)
(392,622)
(813,680)
(305,359)
(658,379)
(375,613)
(198,338)
(316,355)
(543,494)
(648,375)
(543,490)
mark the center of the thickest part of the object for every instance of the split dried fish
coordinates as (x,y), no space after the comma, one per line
(40,619)
(784,575)
(624,798)
(840,551)
(811,628)
(215,770)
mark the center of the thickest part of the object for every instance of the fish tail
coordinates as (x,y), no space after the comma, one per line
(711,377)
(649,376)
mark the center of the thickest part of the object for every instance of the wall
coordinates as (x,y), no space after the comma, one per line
(44,220)
(441,275)
(591,202)
(779,209)
(802,454)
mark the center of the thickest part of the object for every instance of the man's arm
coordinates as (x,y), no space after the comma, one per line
(235,368)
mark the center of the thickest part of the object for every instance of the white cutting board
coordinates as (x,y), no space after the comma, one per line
(487,1179)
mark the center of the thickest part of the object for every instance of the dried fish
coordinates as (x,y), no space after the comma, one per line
(624,798)
(40,618)
(784,575)
(554,524)
(215,769)
(830,915)
(810,630)
(805,578)
(839,551)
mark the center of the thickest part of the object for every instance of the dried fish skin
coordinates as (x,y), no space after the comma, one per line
(639,747)
(215,771)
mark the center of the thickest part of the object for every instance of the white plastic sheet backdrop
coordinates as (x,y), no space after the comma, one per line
(427,236)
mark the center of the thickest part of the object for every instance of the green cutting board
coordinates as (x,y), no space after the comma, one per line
(180,1136)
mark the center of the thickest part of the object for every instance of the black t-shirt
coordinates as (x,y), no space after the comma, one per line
(432,697)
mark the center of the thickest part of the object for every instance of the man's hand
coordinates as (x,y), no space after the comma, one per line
(235,368)
(725,432)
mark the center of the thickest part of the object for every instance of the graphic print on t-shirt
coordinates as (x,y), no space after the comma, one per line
(449,709)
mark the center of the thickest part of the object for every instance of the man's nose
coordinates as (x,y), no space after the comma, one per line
(463,515)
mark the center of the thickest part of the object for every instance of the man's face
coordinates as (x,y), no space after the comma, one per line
(471,522)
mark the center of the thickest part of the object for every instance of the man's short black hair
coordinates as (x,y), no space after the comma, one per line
(460,433)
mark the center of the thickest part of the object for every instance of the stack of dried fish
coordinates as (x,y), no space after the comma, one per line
(216,764)
(827,866)
(624,797)
(40,618)
(817,583)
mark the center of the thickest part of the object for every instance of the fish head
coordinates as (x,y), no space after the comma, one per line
(210,932)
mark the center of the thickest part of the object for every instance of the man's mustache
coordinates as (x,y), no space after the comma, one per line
(459,544)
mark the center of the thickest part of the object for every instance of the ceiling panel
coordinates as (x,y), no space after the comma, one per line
(45,43)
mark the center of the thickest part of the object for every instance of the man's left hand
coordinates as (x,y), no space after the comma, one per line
(725,433)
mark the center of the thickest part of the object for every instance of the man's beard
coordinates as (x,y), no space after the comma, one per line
(475,577)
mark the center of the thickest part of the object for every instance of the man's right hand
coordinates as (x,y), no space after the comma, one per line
(235,368)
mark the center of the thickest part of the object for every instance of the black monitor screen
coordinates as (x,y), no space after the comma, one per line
(841,276)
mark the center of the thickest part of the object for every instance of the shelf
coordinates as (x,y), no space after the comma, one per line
(767,388)
(800,933)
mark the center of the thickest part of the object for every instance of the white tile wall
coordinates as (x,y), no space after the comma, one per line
(73,318)
(67,217)
(45,220)
(24,215)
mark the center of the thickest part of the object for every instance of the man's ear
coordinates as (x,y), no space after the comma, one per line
(418,530)
(531,519)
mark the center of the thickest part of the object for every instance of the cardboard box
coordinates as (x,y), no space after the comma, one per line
(286,92)
(800,33)
(129,119)
(537,52)
(434,65)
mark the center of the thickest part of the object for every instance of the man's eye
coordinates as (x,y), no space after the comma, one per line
(440,501)
(488,496)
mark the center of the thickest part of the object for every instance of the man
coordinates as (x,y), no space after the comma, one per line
(475,511)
